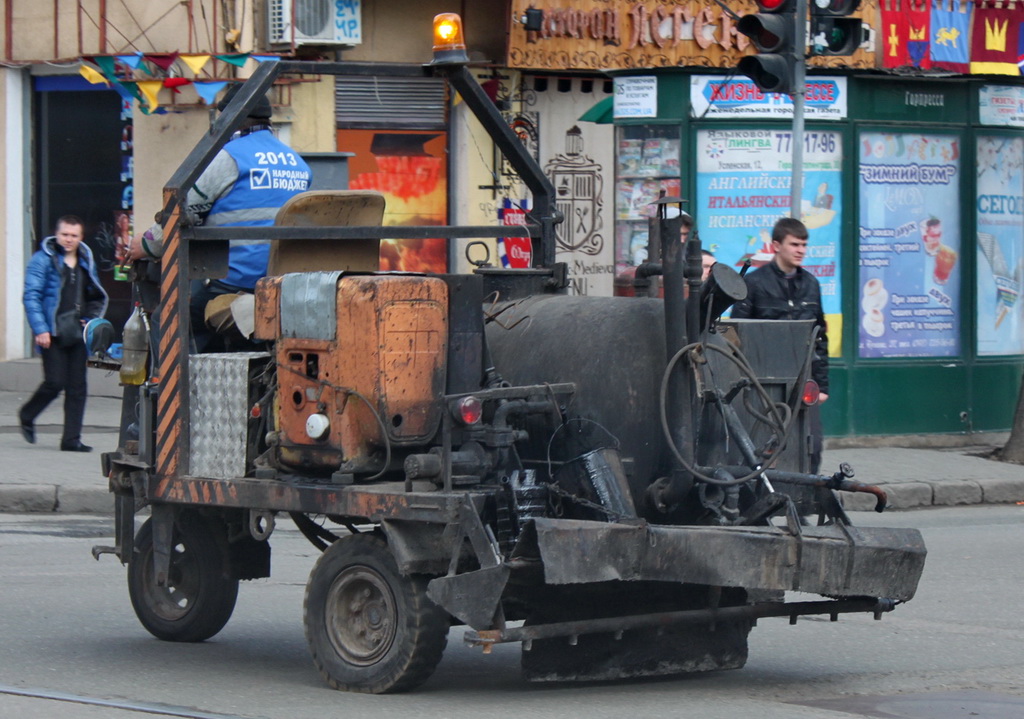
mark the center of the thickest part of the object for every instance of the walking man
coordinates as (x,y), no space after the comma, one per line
(62,293)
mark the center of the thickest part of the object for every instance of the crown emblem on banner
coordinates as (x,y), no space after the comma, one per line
(995,35)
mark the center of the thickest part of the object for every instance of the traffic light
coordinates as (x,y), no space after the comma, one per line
(773,33)
(831,32)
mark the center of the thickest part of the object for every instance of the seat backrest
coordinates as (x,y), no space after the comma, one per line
(328,208)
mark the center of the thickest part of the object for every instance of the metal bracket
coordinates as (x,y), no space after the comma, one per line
(163,536)
(474,597)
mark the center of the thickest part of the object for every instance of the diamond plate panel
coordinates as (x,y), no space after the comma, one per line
(219,412)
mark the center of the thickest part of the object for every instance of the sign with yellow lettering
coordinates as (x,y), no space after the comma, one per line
(623,34)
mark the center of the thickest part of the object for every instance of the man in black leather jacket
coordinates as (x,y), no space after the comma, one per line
(783,290)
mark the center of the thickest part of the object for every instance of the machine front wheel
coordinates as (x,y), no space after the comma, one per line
(369,628)
(199,595)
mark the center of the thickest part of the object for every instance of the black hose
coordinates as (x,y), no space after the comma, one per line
(318,536)
(737,358)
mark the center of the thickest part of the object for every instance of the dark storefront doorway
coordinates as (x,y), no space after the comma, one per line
(82,153)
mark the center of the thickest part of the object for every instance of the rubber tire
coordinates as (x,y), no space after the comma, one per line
(201,595)
(406,631)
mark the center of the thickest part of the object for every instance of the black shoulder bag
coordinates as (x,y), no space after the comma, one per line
(68,325)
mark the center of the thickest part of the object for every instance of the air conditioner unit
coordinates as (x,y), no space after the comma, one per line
(314,22)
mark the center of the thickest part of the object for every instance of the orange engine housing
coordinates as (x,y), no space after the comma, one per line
(369,362)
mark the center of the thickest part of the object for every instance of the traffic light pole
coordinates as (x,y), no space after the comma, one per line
(799,91)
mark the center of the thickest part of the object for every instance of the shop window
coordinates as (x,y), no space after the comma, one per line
(744,178)
(646,168)
(1000,257)
(909,279)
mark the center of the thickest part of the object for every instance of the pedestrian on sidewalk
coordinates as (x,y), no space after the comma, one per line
(62,293)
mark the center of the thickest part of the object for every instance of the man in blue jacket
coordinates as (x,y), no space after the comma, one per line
(62,293)
(243,186)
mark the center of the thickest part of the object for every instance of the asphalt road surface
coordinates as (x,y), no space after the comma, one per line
(70,645)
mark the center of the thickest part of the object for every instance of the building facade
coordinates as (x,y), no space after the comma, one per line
(911,182)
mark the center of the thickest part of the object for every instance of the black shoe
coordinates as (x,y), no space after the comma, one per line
(75,446)
(28,431)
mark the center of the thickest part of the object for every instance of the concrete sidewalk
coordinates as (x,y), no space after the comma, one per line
(41,478)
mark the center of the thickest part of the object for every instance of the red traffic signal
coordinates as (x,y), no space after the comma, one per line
(769,33)
(773,33)
(779,6)
(833,8)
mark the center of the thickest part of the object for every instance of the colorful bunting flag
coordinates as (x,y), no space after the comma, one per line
(950,36)
(208,90)
(175,82)
(162,60)
(237,60)
(107,64)
(196,63)
(146,92)
(92,75)
(131,60)
(127,91)
(150,89)
(995,38)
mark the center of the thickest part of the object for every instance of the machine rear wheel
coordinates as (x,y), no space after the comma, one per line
(200,593)
(369,628)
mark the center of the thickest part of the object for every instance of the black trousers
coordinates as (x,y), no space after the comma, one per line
(64,370)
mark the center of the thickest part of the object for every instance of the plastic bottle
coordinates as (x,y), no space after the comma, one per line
(135,348)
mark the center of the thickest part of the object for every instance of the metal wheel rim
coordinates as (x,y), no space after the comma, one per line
(175,600)
(361,617)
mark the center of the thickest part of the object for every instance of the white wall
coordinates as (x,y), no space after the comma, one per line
(14,89)
(581,167)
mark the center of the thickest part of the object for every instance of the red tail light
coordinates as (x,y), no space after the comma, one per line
(469,410)
(811,392)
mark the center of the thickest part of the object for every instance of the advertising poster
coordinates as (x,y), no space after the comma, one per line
(743,187)
(716,96)
(908,300)
(1001,105)
(1000,263)
(410,170)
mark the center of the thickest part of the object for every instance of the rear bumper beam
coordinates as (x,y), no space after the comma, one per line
(489,637)
(836,560)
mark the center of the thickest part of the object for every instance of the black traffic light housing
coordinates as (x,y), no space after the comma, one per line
(773,32)
(832,33)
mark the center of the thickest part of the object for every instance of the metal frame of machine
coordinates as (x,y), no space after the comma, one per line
(651,550)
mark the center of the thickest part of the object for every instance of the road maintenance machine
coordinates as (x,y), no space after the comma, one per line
(619,484)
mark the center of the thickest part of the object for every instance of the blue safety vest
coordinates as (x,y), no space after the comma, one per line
(269,173)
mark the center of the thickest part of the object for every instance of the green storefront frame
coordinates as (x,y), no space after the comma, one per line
(958,394)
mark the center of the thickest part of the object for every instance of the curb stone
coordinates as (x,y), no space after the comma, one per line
(956,491)
(28,497)
(91,500)
(1000,491)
